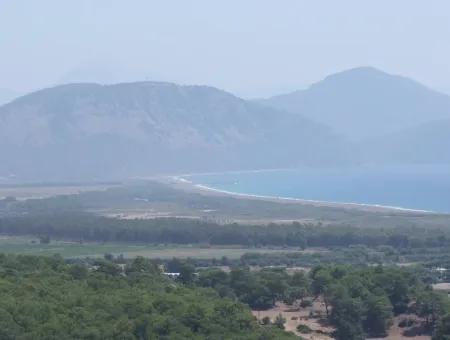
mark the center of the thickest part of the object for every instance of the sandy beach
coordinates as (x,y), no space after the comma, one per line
(181,182)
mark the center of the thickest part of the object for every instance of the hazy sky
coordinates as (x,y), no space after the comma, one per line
(249,47)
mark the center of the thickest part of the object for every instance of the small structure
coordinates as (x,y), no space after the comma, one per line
(172,275)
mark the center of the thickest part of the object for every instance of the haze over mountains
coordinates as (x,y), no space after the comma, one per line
(6,95)
(427,143)
(389,118)
(365,102)
(138,129)
(87,131)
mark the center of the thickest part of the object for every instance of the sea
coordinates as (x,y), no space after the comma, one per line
(415,187)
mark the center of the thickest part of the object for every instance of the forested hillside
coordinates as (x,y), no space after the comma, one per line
(44,298)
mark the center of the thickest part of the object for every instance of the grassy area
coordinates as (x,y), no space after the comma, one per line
(45,191)
(31,246)
(151,199)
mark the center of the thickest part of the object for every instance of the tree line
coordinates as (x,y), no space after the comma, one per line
(89,227)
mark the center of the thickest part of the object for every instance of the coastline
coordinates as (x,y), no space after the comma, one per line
(187,184)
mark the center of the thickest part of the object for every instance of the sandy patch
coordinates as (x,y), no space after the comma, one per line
(296,316)
(442,286)
(397,333)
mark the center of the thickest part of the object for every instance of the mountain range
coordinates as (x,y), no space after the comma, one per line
(137,129)
(87,131)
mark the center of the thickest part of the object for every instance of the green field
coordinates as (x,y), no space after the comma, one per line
(31,246)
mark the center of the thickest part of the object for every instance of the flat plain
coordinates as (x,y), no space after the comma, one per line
(31,246)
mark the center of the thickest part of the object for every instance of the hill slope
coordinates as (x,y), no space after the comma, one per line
(90,130)
(7,95)
(365,102)
(425,143)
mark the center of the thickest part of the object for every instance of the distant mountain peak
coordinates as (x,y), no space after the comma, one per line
(7,95)
(359,71)
(362,76)
(364,102)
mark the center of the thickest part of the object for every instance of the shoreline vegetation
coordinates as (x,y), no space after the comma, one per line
(177,197)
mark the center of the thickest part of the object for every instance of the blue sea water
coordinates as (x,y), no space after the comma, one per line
(423,187)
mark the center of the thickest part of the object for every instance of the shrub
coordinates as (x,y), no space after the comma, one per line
(304,329)
(306,303)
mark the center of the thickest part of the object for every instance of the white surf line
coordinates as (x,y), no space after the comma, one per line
(301,200)
(233,172)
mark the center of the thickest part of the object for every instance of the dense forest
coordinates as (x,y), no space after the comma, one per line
(359,301)
(90,227)
(49,298)
(45,298)
(52,298)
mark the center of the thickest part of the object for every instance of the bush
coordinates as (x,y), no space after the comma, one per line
(45,239)
(306,303)
(280,321)
(407,322)
(265,320)
(304,329)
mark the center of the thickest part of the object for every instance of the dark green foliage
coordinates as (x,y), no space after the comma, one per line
(363,300)
(443,328)
(346,316)
(304,329)
(360,301)
(279,321)
(78,272)
(430,306)
(260,290)
(45,239)
(306,303)
(187,272)
(397,286)
(321,279)
(80,226)
(44,298)
(141,265)
(378,314)
(265,320)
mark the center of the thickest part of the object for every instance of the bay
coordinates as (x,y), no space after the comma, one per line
(420,187)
